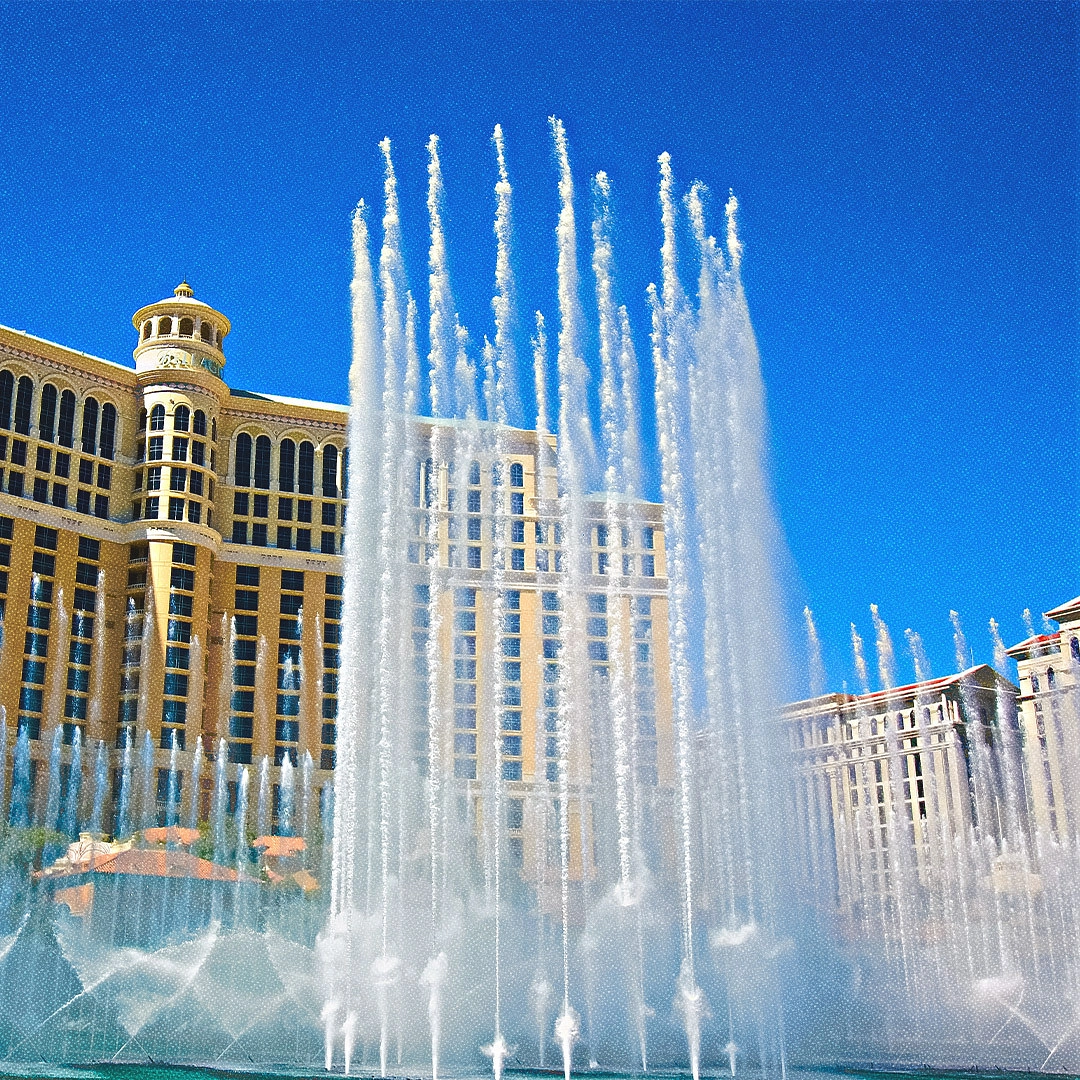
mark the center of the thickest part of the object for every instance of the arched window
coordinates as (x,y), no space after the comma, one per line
(157,418)
(47,413)
(24,398)
(7,390)
(1074,648)
(329,472)
(474,474)
(187,327)
(65,430)
(89,425)
(199,422)
(219,336)
(181,418)
(206,332)
(242,471)
(142,419)
(164,326)
(1034,684)
(306,469)
(146,328)
(287,465)
(262,461)
(517,475)
(108,431)
(213,430)
(1049,678)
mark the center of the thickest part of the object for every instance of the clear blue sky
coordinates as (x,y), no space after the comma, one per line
(907,176)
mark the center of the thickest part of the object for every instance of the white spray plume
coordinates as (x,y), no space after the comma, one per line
(886,658)
(918,655)
(860,660)
(960,644)
(1001,657)
(817,665)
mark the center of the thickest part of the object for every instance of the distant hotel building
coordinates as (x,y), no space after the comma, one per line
(1049,672)
(890,785)
(885,782)
(171,557)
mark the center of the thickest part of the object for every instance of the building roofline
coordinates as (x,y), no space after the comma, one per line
(67,349)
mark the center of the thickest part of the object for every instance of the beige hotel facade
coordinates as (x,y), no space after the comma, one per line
(171,563)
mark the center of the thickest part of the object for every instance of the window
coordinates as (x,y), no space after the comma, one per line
(329,514)
(47,412)
(179,449)
(286,469)
(199,424)
(181,418)
(63,465)
(89,425)
(176,509)
(648,566)
(23,400)
(258,535)
(262,462)
(184,554)
(328,546)
(157,418)
(198,453)
(177,479)
(242,466)
(195,484)
(153,478)
(7,388)
(306,470)
(107,445)
(187,327)
(155,448)
(164,326)
(517,502)
(104,476)
(647,538)
(329,472)
(206,332)
(517,475)
(261,506)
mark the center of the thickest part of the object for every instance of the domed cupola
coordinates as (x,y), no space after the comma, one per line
(180,332)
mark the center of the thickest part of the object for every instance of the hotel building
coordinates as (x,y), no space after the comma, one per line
(1049,673)
(171,564)
(887,782)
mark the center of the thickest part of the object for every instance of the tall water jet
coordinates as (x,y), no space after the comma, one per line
(220,797)
(262,807)
(960,645)
(242,860)
(98,657)
(886,658)
(69,820)
(101,785)
(1001,657)
(918,655)
(19,813)
(52,802)
(817,665)
(668,345)
(123,802)
(59,647)
(195,785)
(172,783)
(286,797)
(861,671)
(146,775)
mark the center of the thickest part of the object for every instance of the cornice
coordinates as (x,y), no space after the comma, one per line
(67,368)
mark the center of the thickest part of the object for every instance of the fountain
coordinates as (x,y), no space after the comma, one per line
(569,860)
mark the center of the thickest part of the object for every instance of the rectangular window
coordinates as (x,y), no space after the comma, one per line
(84,600)
(243,700)
(33,672)
(15,483)
(512,696)
(328,543)
(239,531)
(329,514)
(177,479)
(151,509)
(240,503)
(291,604)
(292,581)
(176,509)
(180,604)
(289,630)
(260,506)
(176,685)
(198,453)
(284,537)
(86,471)
(176,657)
(104,476)
(247,625)
(182,579)
(288,705)
(287,731)
(247,600)
(60,496)
(332,608)
(303,539)
(247,575)
(79,652)
(101,506)
(258,534)
(335,586)
(194,512)
(41,490)
(303,510)
(647,537)
(44,537)
(195,484)
(63,465)
(179,631)
(648,565)
(155,448)
(153,478)
(517,503)
(179,449)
